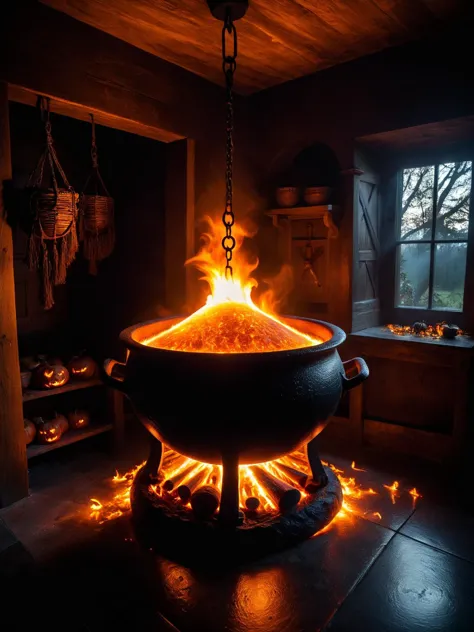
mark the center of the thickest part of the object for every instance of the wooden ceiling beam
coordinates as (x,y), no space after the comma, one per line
(86,70)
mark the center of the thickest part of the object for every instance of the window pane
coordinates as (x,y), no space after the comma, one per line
(414,275)
(454,192)
(417,203)
(449,272)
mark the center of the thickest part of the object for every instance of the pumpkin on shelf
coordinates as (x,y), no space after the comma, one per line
(78,419)
(30,431)
(63,422)
(47,376)
(47,431)
(82,367)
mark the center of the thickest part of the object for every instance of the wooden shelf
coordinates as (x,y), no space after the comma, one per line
(70,437)
(324,212)
(29,394)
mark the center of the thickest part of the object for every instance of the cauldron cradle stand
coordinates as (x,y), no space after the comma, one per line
(229,504)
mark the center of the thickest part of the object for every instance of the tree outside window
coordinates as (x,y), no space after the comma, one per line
(432,236)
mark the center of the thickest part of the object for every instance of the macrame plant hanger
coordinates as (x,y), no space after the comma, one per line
(52,244)
(97,214)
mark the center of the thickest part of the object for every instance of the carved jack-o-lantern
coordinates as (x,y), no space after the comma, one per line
(48,376)
(78,419)
(48,431)
(30,431)
(82,367)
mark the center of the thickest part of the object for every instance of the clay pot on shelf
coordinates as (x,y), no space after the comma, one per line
(78,419)
(82,367)
(30,431)
(25,379)
(29,363)
(47,376)
(317,195)
(47,431)
(287,196)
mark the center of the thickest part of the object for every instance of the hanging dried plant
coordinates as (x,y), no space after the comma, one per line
(97,227)
(52,243)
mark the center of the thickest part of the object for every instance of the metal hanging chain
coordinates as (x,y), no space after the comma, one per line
(229,65)
(95,162)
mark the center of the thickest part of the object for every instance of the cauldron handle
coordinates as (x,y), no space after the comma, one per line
(356,371)
(114,374)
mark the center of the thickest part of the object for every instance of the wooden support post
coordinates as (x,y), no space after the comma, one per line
(13,463)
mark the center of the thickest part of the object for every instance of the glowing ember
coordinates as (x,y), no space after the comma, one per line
(183,471)
(431,331)
(230,321)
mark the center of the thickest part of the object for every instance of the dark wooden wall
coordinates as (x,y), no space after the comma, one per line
(419,83)
(414,85)
(91,311)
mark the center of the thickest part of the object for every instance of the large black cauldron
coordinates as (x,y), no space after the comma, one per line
(246,408)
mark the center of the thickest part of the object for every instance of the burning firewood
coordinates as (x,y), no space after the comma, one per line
(284,496)
(295,476)
(186,490)
(205,501)
(178,475)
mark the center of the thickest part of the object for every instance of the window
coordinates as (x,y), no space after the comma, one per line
(432,234)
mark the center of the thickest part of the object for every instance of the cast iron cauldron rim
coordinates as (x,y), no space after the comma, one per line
(337,338)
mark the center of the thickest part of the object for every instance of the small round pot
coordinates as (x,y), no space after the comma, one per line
(287,196)
(25,379)
(317,195)
(251,406)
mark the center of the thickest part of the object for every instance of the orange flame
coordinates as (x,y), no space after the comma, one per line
(183,470)
(230,321)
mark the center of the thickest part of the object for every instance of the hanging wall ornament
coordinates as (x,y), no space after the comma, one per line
(52,244)
(97,214)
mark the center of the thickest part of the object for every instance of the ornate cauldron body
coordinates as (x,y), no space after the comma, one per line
(253,407)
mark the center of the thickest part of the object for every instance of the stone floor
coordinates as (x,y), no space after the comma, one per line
(411,570)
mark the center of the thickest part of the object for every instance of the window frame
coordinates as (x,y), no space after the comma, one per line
(432,241)
(391,203)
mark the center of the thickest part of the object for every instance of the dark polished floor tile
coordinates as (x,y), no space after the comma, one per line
(411,587)
(394,507)
(443,527)
(295,591)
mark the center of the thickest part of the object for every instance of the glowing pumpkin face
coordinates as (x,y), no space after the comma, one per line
(82,368)
(48,376)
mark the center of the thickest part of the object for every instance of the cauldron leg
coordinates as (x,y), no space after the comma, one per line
(320,478)
(153,464)
(229,509)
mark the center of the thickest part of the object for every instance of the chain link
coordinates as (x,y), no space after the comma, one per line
(229,65)
(95,160)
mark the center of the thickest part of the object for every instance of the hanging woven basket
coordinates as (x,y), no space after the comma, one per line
(97,228)
(56,212)
(53,243)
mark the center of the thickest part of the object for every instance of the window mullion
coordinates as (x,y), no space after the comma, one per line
(433,237)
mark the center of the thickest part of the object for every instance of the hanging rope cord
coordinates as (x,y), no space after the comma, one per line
(95,173)
(229,65)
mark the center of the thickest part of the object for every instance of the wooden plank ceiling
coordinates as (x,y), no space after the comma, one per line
(279,40)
